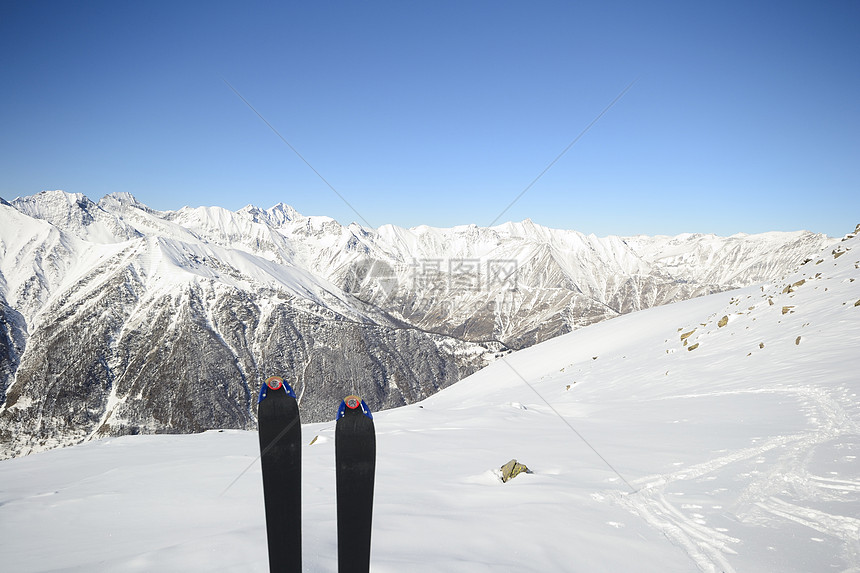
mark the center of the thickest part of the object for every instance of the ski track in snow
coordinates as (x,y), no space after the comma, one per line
(843,527)
(709,547)
(704,545)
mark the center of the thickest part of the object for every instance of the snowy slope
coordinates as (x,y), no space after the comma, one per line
(724,433)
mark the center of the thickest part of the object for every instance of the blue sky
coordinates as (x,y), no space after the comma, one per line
(744,116)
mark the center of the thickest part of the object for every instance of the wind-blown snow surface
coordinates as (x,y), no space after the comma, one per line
(736,447)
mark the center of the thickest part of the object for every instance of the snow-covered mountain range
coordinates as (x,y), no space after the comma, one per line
(719,434)
(119,319)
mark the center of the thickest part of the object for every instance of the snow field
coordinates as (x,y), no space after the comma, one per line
(738,455)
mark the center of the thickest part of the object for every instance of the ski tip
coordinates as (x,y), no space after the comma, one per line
(353,402)
(274,383)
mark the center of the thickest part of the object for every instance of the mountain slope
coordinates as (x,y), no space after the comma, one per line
(116,337)
(733,448)
(114,314)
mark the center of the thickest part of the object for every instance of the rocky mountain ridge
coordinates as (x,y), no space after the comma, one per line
(116,318)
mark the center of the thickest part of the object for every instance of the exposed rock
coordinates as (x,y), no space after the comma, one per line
(512,469)
(687,335)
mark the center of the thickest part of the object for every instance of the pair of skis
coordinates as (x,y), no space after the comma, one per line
(281,460)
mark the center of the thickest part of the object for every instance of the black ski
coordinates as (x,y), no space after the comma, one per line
(355,460)
(281,459)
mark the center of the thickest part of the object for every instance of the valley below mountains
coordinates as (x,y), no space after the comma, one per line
(119,319)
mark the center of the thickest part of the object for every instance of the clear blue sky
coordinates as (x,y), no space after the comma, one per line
(745,116)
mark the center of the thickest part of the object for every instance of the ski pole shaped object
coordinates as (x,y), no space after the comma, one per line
(355,462)
(280,434)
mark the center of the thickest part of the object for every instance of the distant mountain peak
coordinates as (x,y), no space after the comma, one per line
(283,213)
(76,214)
(122,198)
(276,216)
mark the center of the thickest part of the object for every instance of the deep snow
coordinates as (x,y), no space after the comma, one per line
(737,455)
